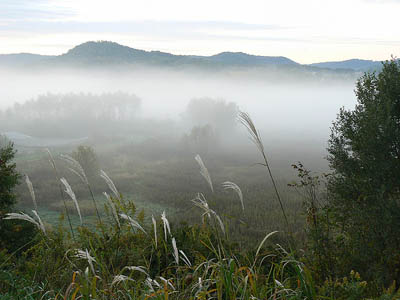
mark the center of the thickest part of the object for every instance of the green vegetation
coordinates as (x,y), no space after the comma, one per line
(8,176)
(14,235)
(364,154)
(329,236)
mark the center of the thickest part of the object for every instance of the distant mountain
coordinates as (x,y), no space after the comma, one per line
(353,64)
(244,59)
(109,52)
(99,54)
(21,59)
(93,53)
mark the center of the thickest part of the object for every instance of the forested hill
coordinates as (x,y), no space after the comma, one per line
(353,64)
(112,54)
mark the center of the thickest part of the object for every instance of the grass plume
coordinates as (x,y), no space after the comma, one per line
(233,186)
(248,123)
(31,191)
(78,170)
(204,172)
(71,193)
(166,224)
(113,209)
(110,184)
(22,216)
(53,164)
(132,222)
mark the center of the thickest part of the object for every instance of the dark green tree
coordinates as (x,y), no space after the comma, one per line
(14,234)
(9,177)
(364,154)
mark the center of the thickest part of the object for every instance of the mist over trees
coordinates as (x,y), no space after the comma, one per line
(218,113)
(71,115)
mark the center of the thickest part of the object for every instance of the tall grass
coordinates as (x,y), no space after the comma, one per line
(78,170)
(205,269)
(54,166)
(248,123)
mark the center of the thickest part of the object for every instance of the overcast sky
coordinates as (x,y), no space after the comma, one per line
(303,30)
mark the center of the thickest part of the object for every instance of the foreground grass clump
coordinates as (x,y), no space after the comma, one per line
(125,259)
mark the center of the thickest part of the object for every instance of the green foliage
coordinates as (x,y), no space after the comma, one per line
(217,113)
(14,234)
(87,158)
(347,288)
(364,153)
(9,178)
(201,139)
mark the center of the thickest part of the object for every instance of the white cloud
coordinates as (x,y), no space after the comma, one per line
(306,30)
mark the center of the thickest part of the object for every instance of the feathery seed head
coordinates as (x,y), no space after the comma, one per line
(247,122)
(120,278)
(110,184)
(113,209)
(233,186)
(84,254)
(166,224)
(76,167)
(176,253)
(155,229)
(132,222)
(204,172)
(71,193)
(31,191)
(25,217)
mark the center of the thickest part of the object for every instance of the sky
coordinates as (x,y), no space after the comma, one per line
(306,31)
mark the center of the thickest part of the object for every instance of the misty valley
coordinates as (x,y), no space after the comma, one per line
(147,143)
(147,175)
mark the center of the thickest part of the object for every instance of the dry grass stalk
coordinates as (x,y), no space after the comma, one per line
(204,172)
(166,224)
(233,186)
(31,191)
(248,123)
(76,168)
(85,255)
(263,241)
(155,229)
(201,202)
(120,278)
(41,225)
(132,222)
(110,184)
(53,164)
(22,216)
(176,252)
(71,193)
(137,268)
(113,209)
(185,258)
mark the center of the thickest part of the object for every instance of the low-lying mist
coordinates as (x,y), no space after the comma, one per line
(175,107)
